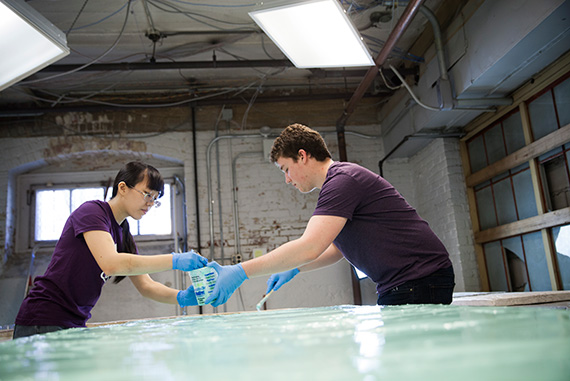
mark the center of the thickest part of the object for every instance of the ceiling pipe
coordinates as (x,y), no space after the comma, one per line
(128,66)
(404,21)
(37,111)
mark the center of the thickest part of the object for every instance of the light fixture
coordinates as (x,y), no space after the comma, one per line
(314,34)
(29,42)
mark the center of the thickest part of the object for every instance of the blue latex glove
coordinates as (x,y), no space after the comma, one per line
(229,279)
(275,281)
(187,297)
(188,261)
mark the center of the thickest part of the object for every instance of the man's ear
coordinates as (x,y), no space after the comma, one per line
(303,155)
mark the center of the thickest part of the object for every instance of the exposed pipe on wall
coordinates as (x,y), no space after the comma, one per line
(209,181)
(413,136)
(235,196)
(196,193)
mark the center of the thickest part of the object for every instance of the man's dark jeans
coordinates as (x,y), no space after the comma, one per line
(436,288)
(29,330)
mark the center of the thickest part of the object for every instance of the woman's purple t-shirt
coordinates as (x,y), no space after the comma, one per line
(72,283)
(384,236)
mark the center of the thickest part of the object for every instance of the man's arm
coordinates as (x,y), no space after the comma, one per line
(329,257)
(317,238)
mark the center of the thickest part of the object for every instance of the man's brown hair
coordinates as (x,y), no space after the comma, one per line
(296,137)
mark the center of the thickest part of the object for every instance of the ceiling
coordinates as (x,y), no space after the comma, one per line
(171,52)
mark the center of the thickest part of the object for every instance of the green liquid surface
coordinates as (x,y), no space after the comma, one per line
(328,343)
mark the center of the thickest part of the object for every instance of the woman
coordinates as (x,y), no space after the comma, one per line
(96,244)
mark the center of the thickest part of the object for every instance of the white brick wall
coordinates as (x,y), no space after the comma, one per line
(432,182)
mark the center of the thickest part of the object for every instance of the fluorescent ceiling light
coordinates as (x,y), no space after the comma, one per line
(314,34)
(29,42)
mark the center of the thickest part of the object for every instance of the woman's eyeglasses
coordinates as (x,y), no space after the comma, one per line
(148,198)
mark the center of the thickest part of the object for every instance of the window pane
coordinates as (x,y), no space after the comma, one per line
(542,116)
(514,136)
(477,157)
(504,202)
(561,236)
(562,97)
(157,220)
(556,183)
(495,266)
(486,208)
(495,144)
(516,264)
(536,262)
(81,195)
(524,193)
(52,210)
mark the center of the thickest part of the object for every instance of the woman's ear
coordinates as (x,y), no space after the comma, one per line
(122,188)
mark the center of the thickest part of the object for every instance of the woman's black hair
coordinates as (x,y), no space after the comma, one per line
(132,174)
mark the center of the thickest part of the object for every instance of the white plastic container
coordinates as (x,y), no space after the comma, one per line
(204,281)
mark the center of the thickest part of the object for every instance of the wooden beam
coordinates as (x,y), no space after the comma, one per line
(479,254)
(528,225)
(541,206)
(523,155)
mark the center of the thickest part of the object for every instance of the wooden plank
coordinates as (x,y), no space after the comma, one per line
(527,153)
(532,224)
(547,241)
(479,253)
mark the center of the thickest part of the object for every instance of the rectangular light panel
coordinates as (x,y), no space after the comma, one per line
(314,34)
(29,42)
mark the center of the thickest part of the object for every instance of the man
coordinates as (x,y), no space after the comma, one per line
(359,216)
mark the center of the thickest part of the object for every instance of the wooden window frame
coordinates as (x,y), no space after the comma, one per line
(545,220)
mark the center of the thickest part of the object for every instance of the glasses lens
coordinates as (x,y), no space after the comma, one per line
(148,198)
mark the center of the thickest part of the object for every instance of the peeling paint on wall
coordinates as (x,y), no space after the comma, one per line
(86,151)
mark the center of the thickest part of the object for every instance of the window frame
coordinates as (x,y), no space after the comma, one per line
(28,184)
(545,220)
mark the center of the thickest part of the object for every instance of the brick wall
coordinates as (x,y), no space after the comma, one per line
(432,181)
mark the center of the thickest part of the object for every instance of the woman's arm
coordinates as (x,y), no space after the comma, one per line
(154,290)
(102,247)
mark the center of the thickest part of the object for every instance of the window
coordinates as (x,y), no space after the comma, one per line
(45,201)
(561,238)
(53,207)
(517,264)
(549,112)
(515,200)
